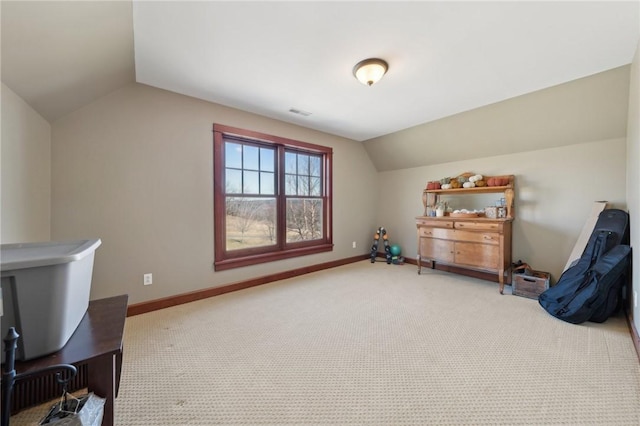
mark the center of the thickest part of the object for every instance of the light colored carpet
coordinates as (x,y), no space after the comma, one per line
(374,344)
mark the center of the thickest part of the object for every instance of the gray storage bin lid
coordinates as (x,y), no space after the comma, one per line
(31,255)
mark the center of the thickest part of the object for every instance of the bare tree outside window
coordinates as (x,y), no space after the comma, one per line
(251,222)
(304,219)
(304,211)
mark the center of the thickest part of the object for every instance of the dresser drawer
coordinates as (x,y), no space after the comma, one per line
(477,237)
(442,233)
(435,223)
(489,226)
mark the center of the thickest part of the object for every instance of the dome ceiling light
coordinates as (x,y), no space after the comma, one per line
(370,71)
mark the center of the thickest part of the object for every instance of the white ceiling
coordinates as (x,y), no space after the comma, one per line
(268,57)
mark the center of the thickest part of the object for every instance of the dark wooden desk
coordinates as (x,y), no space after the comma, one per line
(96,342)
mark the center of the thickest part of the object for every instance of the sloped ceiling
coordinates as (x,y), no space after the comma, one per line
(59,56)
(269,57)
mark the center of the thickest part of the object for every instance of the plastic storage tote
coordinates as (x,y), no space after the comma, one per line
(45,292)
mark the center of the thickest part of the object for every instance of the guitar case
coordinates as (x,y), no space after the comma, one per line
(591,289)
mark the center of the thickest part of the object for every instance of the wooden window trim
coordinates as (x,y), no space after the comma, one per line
(223,259)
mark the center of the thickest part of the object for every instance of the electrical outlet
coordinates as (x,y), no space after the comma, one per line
(354,244)
(148,279)
(635,299)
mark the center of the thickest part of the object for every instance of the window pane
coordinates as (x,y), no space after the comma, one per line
(290,163)
(314,166)
(290,184)
(315,187)
(303,164)
(267,183)
(266,160)
(250,183)
(264,175)
(303,185)
(233,181)
(233,155)
(250,157)
(304,219)
(250,222)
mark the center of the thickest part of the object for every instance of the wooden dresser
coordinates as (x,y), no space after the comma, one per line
(477,243)
(482,244)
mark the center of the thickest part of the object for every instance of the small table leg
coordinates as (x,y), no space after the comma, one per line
(118,371)
(102,382)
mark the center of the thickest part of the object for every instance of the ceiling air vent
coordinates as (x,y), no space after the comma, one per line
(299,112)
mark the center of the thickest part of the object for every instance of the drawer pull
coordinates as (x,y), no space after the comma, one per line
(487,237)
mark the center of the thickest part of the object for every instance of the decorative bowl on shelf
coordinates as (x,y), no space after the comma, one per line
(464,213)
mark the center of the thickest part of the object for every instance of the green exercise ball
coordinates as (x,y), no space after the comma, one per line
(395,250)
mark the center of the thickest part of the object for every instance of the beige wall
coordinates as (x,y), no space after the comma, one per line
(555,189)
(633,175)
(588,109)
(25,193)
(565,144)
(135,169)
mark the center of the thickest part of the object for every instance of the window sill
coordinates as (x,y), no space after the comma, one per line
(222,265)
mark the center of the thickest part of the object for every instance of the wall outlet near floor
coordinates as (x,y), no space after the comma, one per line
(148,279)
(635,299)
(353,244)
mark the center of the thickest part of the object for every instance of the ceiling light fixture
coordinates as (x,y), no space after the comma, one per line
(370,71)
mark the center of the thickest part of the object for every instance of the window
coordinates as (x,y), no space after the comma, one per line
(272,198)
